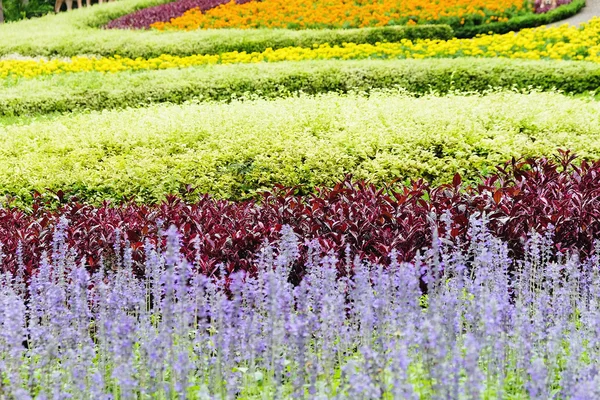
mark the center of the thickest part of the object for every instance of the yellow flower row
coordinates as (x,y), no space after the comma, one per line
(565,42)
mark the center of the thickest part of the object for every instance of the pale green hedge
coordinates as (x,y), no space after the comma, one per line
(97,91)
(231,150)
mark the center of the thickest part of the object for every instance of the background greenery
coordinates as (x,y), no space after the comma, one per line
(15,10)
(522,22)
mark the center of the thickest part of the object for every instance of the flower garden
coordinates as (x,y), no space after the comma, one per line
(340,13)
(326,199)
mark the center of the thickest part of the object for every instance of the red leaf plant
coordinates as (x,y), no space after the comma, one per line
(521,197)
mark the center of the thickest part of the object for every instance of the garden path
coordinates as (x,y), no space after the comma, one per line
(591,10)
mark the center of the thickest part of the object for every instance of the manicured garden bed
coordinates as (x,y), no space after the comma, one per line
(324,199)
(81,33)
(563,43)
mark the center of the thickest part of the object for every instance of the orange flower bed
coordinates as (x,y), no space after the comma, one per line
(306,14)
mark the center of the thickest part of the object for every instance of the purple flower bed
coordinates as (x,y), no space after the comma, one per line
(142,19)
(542,6)
(482,331)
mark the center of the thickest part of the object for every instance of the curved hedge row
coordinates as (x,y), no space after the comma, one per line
(97,91)
(233,150)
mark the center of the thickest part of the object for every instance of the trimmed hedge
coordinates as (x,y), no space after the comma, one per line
(147,44)
(233,150)
(98,91)
(522,22)
(77,33)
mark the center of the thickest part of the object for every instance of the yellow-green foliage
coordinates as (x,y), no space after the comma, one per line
(231,150)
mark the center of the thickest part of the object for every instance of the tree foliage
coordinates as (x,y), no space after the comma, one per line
(15,10)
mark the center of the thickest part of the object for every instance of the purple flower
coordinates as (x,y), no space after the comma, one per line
(484,323)
(142,19)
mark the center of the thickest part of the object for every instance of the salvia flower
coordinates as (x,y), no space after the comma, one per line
(484,325)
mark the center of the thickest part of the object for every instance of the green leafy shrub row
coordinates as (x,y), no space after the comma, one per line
(234,149)
(523,21)
(97,91)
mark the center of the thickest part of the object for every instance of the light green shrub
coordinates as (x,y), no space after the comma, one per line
(232,150)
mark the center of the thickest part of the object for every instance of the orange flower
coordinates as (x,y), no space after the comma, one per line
(303,14)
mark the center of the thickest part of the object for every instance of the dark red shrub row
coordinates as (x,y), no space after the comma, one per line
(522,196)
(142,19)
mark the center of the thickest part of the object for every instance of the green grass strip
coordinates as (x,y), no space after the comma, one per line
(231,150)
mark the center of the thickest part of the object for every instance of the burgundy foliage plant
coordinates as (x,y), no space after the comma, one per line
(542,195)
(142,19)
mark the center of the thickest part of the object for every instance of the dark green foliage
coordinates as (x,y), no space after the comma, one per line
(97,91)
(15,10)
